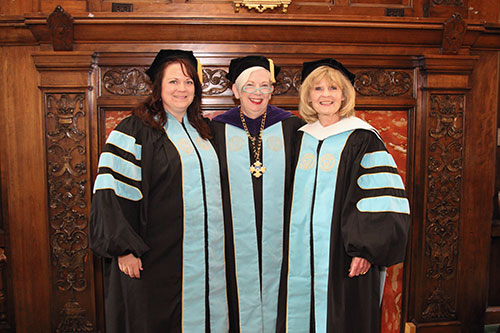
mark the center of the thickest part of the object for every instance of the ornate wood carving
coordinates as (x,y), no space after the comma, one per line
(453,34)
(126,81)
(443,203)
(61,29)
(67,173)
(73,319)
(132,81)
(383,83)
(215,82)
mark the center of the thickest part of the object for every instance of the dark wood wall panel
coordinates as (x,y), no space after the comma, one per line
(441,69)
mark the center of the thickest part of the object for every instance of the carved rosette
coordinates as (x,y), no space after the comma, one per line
(383,83)
(445,169)
(66,177)
(126,82)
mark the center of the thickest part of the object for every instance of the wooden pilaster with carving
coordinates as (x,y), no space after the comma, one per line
(441,143)
(66,106)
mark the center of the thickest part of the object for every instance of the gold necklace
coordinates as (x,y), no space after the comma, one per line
(257,168)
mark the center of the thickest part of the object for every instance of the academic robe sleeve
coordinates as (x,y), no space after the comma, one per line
(115,225)
(375,212)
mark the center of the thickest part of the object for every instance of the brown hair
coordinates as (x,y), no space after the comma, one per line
(151,111)
(333,76)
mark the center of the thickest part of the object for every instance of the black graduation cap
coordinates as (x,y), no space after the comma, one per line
(309,66)
(238,65)
(165,55)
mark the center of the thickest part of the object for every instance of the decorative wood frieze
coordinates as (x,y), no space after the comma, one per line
(383,83)
(66,151)
(445,169)
(129,81)
(132,81)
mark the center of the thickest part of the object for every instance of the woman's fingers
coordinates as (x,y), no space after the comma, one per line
(359,266)
(130,265)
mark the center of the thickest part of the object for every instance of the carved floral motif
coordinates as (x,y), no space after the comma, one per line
(438,306)
(73,319)
(383,83)
(126,82)
(443,200)
(67,172)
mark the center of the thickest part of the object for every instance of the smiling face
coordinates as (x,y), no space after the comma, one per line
(326,98)
(177,90)
(255,104)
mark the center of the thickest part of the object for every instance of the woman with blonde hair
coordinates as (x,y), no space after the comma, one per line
(349,215)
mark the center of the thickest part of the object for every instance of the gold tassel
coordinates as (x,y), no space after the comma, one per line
(199,70)
(271,69)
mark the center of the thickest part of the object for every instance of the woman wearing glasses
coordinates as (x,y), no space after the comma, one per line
(255,145)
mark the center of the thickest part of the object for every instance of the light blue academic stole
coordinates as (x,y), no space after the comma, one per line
(315,175)
(258,309)
(193,266)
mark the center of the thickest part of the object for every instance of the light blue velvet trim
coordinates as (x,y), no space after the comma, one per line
(125,142)
(385,203)
(273,189)
(121,189)
(120,165)
(219,321)
(378,159)
(373,181)
(257,311)
(321,171)
(244,233)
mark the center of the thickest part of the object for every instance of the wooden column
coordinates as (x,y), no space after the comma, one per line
(438,284)
(66,96)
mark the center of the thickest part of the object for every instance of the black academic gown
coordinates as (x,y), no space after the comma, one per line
(240,321)
(372,232)
(143,217)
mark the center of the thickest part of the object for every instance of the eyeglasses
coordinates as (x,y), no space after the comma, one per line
(253,90)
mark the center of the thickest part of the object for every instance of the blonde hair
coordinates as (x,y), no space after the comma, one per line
(333,76)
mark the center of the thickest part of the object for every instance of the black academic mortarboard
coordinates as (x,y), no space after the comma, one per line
(238,65)
(309,66)
(165,55)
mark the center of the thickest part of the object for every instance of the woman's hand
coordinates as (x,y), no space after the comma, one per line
(359,266)
(130,265)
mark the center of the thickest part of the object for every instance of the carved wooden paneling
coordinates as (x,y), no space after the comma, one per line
(444,186)
(384,83)
(125,81)
(132,81)
(68,207)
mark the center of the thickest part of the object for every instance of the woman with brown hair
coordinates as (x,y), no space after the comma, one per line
(156,215)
